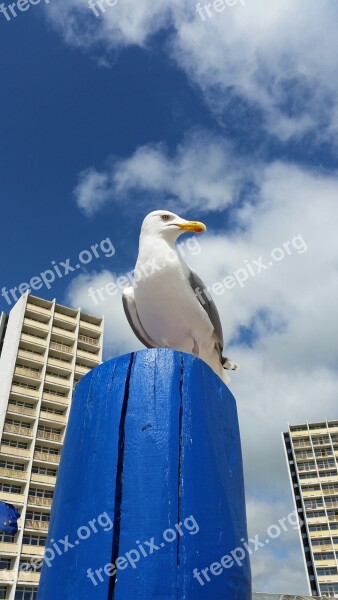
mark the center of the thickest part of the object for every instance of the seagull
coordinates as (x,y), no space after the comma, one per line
(168,305)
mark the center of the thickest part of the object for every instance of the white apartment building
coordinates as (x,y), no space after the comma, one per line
(45,349)
(312,454)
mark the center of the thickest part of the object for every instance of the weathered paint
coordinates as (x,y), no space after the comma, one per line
(152,439)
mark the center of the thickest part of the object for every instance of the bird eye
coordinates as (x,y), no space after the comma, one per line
(165,217)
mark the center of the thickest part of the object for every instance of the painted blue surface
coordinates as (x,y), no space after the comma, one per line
(152,443)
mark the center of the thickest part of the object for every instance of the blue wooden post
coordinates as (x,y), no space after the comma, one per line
(151,480)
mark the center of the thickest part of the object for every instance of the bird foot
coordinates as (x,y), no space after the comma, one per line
(229,365)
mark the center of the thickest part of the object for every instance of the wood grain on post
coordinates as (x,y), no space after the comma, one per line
(150,479)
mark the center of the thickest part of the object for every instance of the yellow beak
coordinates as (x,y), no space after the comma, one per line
(195,226)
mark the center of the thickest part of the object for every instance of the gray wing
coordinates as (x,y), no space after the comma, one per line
(205,300)
(129,306)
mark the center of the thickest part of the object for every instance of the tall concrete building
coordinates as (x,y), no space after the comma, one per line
(312,454)
(45,349)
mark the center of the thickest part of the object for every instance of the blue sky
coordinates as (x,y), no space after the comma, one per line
(233,121)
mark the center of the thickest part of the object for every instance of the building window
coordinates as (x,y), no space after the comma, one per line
(323,571)
(320,441)
(321,542)
(26,386)
(52,411)
(5,563)
(34,540)
(318,527)
(326,464)
(26,593)
(54,392)
(325,556)
(313,504)
(42,429)
(21,404)
(6,464)
(329,587)
(30,568)
(3,592)
(40,493)
(11,489)
(37,516)
(47,450)
(15,444)
(328,474)
(6,537)
(18,423)
(44,471)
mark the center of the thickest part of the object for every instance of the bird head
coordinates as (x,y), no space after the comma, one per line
(169,226)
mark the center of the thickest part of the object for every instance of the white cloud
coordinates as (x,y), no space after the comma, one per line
(290,372)
(278,566)
(272,55)
(203,172)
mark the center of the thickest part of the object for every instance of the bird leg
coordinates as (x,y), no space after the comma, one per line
(195,349)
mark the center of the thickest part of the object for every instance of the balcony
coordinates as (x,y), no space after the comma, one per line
(36,324)
(89,341)
(92,359)
(328,478)
(303,468)
(14,452)
(31,356)
(45,479)
(32,339)
(80,370)
(7,548)
(323,548)
(304,456)
(22,390)
(12,498)
(63,332)
(38,501)
(38,309)
(90,327)
(17,430)
(332,492)
(36,525)
(28,577)
(46,435)
(27,372)
(55,398)
(21,410)
(46,457)
(58,316)
(62,350)
(13,474)
(299,434)
(59,382)
(315,535)
(51,418)
(317,520)
(60,364)
(32,551)
(7,576)
(302,444)
(306,494)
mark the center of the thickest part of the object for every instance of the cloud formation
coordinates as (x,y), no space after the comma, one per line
(271,56)
(203,173)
